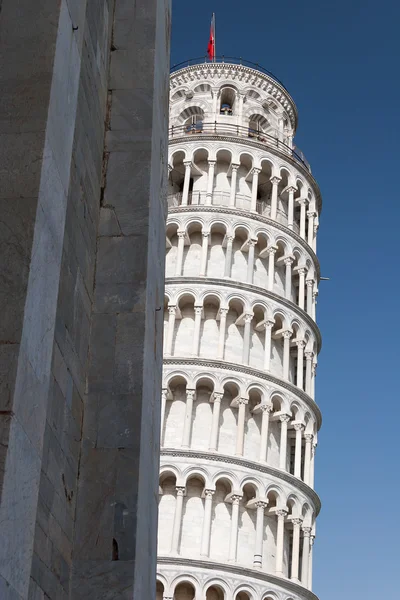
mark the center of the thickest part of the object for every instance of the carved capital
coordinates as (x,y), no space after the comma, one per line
(266,408)
(281,513)
(275,180)
(198,310)
(223,312)
(236,499)
(291,189)
(172,310)
(297,522)
(188,164)
(252,241)
(298,426)
(234,166)
(272,250)
(190,394)
(287,334)
(256,171)
(205,234)
(230,238)
(309,355)
(212,163)
(311,214)
(310,283)
(301,344)
(164,393)
(309,438)
(243,401)
(181,234)
(261,504)
(288,261)
(302,270)
(218,396)
(306,531)
(268,324)
(284,418)
(209,493)
(248,317)
(180,490)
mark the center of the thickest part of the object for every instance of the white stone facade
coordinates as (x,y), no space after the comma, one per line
(239,420)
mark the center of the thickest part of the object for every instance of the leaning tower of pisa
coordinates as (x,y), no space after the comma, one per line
(237,504)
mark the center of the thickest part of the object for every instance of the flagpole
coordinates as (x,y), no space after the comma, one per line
(215,40)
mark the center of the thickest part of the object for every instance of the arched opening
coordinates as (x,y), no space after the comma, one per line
(192,119)
(252,437)
(174,411)
(199,178)
(239,254)
(227,101)
(184,591)
(221,521)
(221,192)
(234,331)
(258,127)
(260,276)
(192,516)
(209,332)
(244,181)
(228,419)
(264,189)
(242,596)
(166,510)
(215,592)
(192,250)
(257,339)
(184,326)
(282,215)
(247,525)
(159,590)
(176,179)
(202,413)
(216,254)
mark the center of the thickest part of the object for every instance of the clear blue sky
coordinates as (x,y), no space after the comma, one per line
(340,62)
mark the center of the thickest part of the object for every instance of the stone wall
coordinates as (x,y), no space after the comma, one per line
(83,120)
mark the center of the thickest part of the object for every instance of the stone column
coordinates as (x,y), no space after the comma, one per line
(186,182)
(274,197)
(258,551)
(271,267)
(210,181)
(234,528)
(284,419)
(164,394)
(310,290)
(288,277)
(310,232)
(313,376)
(314,303)
(254,186)
(300,363)
(266,410)
(250,263)
(246,341)
(313,451)
(287,334)
(176,531)
(215,92)
(171,328)
(187,426)
(268,324)
(280,534)
(299,428)
(205,537)
(240,426)
(307,457)
(215,421)
(232,197)
(314,245)
(291,192)
(240,111)
(228,255)
(179,258)
(309,358)
(303,208)
(204,252)
(302,274)
(196,334)
(296,550)
(306,555)
(222,329)
(310,567)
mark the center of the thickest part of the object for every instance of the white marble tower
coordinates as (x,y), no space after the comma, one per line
(239,420)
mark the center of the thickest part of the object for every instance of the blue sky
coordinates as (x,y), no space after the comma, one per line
(340,62)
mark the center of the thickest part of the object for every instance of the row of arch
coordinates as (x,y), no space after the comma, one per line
(276,192)
(206,326)
(189,587)
(225,423)
(237,526)
(196,251)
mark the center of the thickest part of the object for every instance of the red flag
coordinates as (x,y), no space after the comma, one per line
(211,41)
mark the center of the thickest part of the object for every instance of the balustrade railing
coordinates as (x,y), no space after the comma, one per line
(229,129)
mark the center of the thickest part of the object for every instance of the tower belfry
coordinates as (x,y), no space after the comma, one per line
(239,419)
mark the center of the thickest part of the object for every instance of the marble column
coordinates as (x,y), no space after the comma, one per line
(198,310)
(294,575)
(240,426)
(232,197)
(234,528)
(254,187)
(303,208)
(258,551)
(288,277)
(274,197)
(222,331)
(307,457)
(210,181)
(228,255)
(284,419)
(204,253)
(302,275)
(287,334)
(171,328)
(248,317)
(164,395)
(310,232)
(268,324)
(187,426)
(215,421)
(299,428)
(280,535)
(176,531)
(179,259)
(309,361)
(271,267)
(186,182)
(250,262)
(291,192)
(310,290)
(205,537)
(266,410)
(300,363)
(306,555)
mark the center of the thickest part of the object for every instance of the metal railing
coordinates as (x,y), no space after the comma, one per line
(228,129)
(233,60)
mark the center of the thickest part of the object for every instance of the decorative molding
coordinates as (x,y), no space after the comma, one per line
(248,464)
(205,364)
(231,283)
(253,216)
(234,569)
